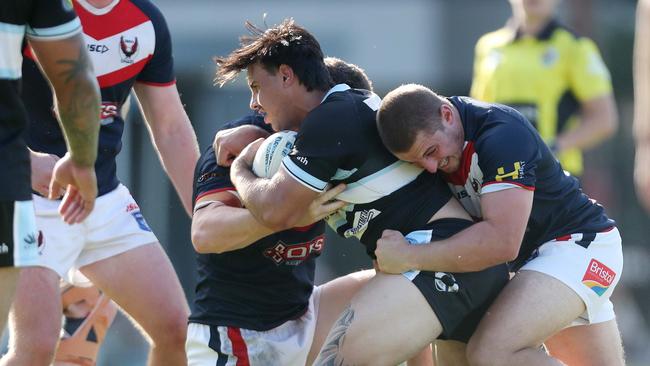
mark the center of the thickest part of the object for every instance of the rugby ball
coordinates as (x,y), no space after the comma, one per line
(270,154)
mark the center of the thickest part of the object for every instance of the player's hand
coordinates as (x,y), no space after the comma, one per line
(42,167)
(229,143)
(80,185)
(247,155)
(642,174)
(393,253)
(324,205)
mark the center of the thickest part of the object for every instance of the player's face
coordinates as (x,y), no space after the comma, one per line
(438,151)
(270,98)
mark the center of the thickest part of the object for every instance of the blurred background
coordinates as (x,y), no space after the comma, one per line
(425,41)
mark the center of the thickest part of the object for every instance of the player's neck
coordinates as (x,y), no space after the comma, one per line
(310,100)
(532,26)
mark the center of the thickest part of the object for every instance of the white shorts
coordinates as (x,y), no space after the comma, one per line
(591,272)
(286,345)
(18,235)
(115,226)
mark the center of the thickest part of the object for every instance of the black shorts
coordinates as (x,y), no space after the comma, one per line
(18,236)
(459,300)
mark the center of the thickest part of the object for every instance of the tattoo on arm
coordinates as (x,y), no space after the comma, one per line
(330,353)
(79,111)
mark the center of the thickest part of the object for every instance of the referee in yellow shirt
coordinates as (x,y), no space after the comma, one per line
(555,78)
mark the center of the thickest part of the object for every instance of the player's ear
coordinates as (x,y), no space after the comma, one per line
(288,77)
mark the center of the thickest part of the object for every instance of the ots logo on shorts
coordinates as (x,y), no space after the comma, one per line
(294,254)
(598,277)
(140,220)
(446,282)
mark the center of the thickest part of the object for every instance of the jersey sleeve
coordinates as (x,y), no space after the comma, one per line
(210,178)
(52,20)
(508,155)
(160,68)
(589,76)
(321,145)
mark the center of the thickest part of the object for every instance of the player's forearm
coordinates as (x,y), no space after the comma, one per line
(78,101)
(223,228)
(596,125)
(269,206)
(478,247)
(178,152)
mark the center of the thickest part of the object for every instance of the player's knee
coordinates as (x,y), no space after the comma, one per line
(172,330)
(40,351)
(481,352)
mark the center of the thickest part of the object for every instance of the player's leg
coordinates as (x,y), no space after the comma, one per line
(334,296)
(35,318)
(450,353)
(18,248)
(143,283)
(603,346)
(373,329)
(88,314)
(531,308)
(8,279)
(569,279)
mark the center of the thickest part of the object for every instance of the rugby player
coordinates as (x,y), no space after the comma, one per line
(337,142)
(130,46)
(225,302)
(54,30)
(566,251)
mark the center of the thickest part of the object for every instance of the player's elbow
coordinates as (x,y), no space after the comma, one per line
(205,242)
(508,251)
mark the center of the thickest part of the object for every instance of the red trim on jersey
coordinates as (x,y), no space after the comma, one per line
(459,177)
(529,188)
(157,84)
(302,229)
(122,74)
(563,238)
(214,191)
(238,346)
(124,16)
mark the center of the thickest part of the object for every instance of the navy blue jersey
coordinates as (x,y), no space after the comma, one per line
(128,42)
(338,142)
(41,20)
(503,150)
(260,286)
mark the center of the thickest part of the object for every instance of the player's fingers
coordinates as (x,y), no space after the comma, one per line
(388,233)
(332,206)
(332,192)
(54,187)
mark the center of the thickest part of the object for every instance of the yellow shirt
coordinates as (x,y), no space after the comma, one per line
(544,77)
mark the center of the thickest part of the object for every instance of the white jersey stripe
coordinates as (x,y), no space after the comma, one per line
(303,177)
(62,31)
(11,39)
(380,183)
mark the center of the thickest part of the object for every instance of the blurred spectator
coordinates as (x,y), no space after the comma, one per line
(641,103)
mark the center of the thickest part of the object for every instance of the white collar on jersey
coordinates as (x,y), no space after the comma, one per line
(97,11)
(335,89)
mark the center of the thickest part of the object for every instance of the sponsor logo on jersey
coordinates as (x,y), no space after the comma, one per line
(29,240)
(128,49)
(107,112)
(446,282)
(517,173)
(98,48)
(303,160)
(360,223)
(598,277)
(294,254)
(4,248)
(41,242)
(137,215)
(132,207)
